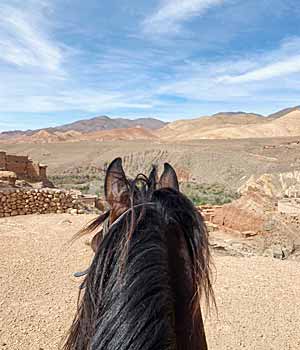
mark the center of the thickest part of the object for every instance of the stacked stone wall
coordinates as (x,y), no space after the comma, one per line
(32,201)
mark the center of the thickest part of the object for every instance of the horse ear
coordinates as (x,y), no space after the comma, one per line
(153,178)
(115,185)
(169,178)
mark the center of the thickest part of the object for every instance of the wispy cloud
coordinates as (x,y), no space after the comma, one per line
(281,62)
(240,77)
(273,70)
(23,40)
(85,100)
(172,13)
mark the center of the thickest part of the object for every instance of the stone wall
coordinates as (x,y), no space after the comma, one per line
(23,166)
(33,201)
(240,220)
(231,218)
(208,211)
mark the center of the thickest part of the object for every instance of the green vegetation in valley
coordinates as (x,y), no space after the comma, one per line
(212,194)
(199,194)
(87,184)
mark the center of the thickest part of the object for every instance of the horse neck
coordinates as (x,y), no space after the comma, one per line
(136,307)
(148,306)
(189,328)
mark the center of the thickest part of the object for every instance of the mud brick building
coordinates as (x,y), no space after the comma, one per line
(23,167)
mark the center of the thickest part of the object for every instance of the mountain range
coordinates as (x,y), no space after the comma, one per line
(92,125)
(224,125)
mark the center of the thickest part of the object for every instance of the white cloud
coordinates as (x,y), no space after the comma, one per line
(273,70)
(24,41)
(280,62)
(82,100)
(268,75)
(171,13)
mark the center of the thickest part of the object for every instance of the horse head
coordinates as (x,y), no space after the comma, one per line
(150,268)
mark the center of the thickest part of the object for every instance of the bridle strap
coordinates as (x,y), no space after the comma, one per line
(127,211)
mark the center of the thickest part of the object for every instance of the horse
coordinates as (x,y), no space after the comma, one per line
(150,270)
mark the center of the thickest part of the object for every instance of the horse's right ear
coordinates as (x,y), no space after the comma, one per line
(168,178)
(115,185)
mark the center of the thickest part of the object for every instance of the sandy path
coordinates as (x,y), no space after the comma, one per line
(258,298)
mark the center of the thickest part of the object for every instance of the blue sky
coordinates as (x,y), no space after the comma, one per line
(61,60)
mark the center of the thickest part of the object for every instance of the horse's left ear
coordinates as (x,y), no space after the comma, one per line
(115,185)
(168,178)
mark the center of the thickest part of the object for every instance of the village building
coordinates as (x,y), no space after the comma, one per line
(23,167)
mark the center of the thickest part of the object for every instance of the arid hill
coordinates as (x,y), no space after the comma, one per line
(106,123)
(44,136)
(194,128)
(232,127)
(286,126)
(121,134)
(284,112)
(85,126)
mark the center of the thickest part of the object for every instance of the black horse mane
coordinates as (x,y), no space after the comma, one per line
(128,301)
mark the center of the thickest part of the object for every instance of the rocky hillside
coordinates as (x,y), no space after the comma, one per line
(106,123)
(283,112)
(285,126)
(194,128)
(86,126)
(45,136)
(235,126)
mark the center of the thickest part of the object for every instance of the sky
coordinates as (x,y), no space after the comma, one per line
(64,60)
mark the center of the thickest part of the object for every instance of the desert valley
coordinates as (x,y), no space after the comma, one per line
(242,170)
(149,175)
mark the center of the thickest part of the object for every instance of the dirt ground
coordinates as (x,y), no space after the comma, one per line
(258,298)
